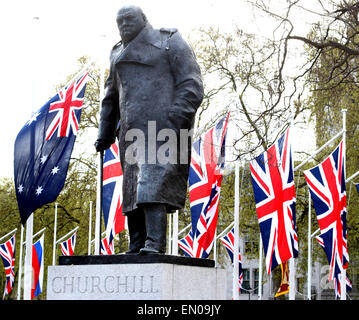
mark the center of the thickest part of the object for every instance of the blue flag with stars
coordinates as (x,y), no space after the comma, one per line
(43,148)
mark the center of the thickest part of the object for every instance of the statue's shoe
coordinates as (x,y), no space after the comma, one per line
(147,250)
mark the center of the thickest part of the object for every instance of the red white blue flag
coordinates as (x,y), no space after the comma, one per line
(191,248)
(7,252)
(112,193)
(274,194)
(68,246)
(337,277)
(107,248)
(205,178)
(228,242)
(326,183)
(43,148)
(37,267)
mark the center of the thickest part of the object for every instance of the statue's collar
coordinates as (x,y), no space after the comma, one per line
(148,35)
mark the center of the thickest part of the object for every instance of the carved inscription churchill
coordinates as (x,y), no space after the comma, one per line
(119,284)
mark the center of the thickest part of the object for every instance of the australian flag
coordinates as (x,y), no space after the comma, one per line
(43,148)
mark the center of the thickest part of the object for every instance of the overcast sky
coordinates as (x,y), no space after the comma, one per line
(41,41)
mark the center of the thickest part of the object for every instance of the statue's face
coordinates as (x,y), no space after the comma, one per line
(130,22)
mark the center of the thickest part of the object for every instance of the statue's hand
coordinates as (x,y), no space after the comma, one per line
(102,144)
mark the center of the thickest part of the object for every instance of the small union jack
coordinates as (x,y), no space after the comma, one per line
(326,183)
(68,246)
(191,247)
(7,252)
(106,248)
(205,178)
(70,100)
(274,193)
(228,242)
(112,192)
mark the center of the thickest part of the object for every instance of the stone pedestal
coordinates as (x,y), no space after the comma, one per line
(135,277)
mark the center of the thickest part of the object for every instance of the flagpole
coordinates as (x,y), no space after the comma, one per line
(90,229)
(175,234)
(30,219)
(309,285)
(20,264)
(343,285)
(215,248)
(28,258)
(169,247)
(99,204)
(260,267)
(235,284)
(67,234)
(54,243)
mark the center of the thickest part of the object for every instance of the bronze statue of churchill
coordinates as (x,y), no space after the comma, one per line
(154,83)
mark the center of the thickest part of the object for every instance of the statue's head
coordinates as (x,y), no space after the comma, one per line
(130,21)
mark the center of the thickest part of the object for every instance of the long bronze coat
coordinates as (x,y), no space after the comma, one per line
(154,78)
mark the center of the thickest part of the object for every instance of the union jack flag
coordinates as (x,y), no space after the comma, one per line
(37,267)
(228,242)
(41,158)
(326,243)
(107,248)
(191,247)
(205,178)
(70,100)
(274,193)
(326,183)
(68,246)
(7,252)
(112,193)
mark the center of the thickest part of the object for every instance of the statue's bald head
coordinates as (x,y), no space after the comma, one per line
(130,21)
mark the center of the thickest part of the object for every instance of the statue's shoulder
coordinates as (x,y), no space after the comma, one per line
(168,31)
(115,49)
(167,34)
(117,45)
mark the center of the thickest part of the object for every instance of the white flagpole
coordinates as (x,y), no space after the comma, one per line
(309,285)
(8,234)
(260,272)
(169,247)
(235,284)
(215,248)
(20,264)
(292,279)
(28,258)
(175,234)
(30,219)
(54,243)
(344,276)
(67,235)
(90,229)
(99,177)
